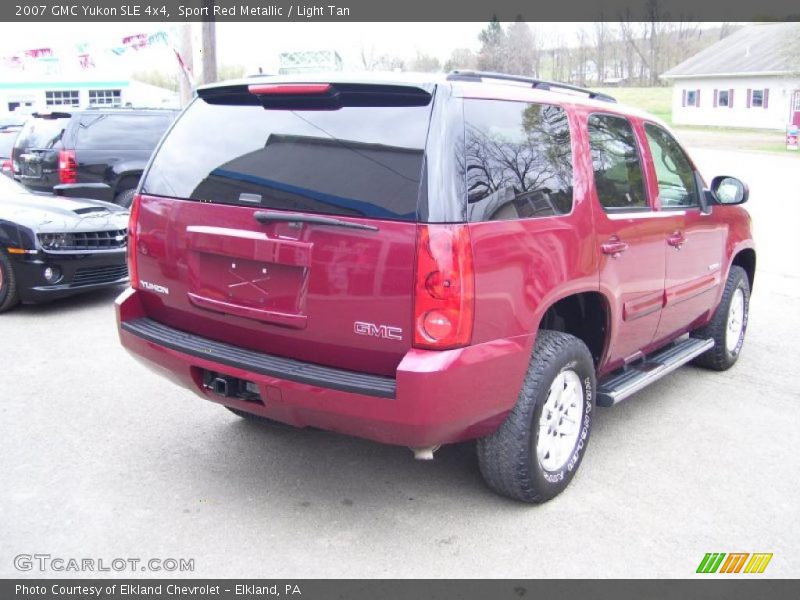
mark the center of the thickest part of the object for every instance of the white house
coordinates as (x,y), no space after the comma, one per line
(748,79)
(30,92)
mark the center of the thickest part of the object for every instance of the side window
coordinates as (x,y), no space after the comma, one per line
(518,160)
(677,186)
(617,168)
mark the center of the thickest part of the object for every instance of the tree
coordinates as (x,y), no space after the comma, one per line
(425,63)
(461,58)
(520,49)
(491,56)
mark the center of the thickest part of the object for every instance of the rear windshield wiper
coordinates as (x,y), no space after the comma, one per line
(272,217)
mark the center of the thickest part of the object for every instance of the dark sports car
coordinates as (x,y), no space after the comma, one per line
(52,247)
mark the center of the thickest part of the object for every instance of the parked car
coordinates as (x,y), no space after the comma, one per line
(432,260)
(7,136)
(108,146)
(53,247)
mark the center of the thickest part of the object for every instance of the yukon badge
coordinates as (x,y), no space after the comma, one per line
(382,331)
(154,287)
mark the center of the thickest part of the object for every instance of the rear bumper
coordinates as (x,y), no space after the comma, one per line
(79,273)
(435,398)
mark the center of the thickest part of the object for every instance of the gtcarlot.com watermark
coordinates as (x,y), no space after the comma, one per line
(45,563)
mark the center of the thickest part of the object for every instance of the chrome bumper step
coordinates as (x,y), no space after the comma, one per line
(620,384)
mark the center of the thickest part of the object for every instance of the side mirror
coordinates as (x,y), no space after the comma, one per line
(729,190)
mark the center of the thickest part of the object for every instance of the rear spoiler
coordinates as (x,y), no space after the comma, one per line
(319,96)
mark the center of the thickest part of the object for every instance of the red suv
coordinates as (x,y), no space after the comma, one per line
(427,261)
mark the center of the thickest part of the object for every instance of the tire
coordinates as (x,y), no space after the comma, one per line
(125,198)
(511,460)
(728,335)
(9,296)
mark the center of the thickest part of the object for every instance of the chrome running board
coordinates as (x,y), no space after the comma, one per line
(620,384)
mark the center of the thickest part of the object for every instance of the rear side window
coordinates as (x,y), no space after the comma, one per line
(42,133)
(353,161)
(518,160)
(615,159)
(121,132)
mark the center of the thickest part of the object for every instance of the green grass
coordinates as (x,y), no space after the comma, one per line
(655,100)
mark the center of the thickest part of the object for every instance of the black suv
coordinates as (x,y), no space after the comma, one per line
(96,152)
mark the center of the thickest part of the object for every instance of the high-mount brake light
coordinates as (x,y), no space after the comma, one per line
(288,89)
(444,289)
(133,235)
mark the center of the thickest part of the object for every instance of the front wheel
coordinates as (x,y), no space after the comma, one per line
(534,454)
(728,325)
(8,284)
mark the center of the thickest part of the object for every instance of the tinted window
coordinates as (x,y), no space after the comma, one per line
(615,159)
(358,161)
(122,132)
(42,133)
(518,160)
(676,182)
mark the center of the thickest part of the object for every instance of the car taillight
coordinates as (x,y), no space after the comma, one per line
(444,289)
(6,165)
(133,222)
(67,167)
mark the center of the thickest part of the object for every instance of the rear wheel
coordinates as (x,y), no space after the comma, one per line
(125,198)
(728,325)
(8,284)
(534,454)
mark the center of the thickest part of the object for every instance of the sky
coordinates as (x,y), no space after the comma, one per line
(254,45)
(259,44)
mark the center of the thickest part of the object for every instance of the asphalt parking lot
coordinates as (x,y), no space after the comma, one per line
(103,459)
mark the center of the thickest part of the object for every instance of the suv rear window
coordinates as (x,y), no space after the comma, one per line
(518,160)
(354,161)
(122,132)
(42,132)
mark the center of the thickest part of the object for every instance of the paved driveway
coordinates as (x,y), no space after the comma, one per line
(103,459)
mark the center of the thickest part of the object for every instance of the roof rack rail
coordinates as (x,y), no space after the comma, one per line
(539,84)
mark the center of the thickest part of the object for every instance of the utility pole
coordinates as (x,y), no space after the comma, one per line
(184,80)
(209,45)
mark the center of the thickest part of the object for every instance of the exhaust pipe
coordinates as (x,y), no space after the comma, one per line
(425,453)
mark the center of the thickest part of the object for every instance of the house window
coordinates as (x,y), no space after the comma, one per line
(62,98)
(722,98)
(691,97)
(105,98)
(757,100)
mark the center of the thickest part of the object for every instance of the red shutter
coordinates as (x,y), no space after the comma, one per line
(683,102)
(766,97)
(697,99)
(716,98)
(730,98)
(749,97)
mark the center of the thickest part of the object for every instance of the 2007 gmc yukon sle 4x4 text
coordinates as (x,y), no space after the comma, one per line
(431,260)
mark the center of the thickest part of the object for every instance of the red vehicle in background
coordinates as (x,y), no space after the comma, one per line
(432,260)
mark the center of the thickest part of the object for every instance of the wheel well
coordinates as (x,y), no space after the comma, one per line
(747,260)
(583,315)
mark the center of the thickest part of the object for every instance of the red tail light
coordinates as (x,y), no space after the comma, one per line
(6,165)
(133,222)
(444,294)
(67,167)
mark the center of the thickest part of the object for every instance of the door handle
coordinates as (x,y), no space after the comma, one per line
(614,247)
(676,240)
